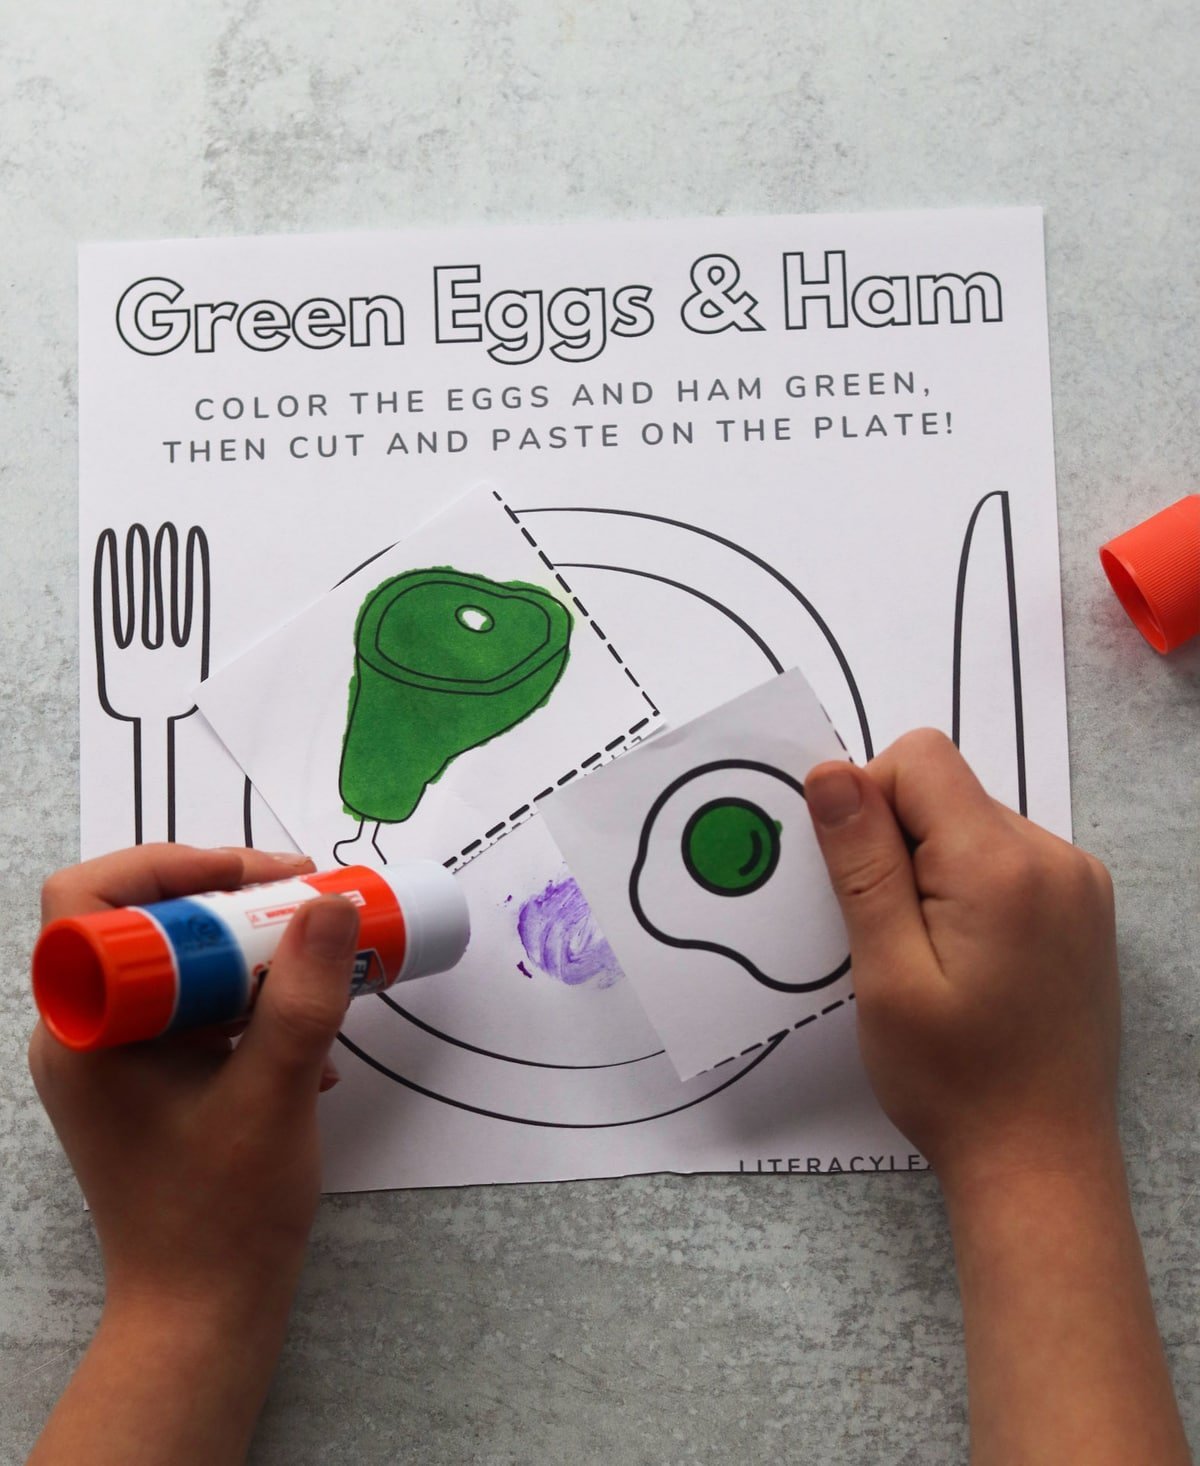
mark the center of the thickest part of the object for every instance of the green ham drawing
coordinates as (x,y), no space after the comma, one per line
(443,661)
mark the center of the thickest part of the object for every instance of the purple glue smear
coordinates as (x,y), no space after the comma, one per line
(560,936)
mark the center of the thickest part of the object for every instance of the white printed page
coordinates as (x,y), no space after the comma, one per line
(748,444)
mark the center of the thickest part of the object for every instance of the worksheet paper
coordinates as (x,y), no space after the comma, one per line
(748,444)
(698,859)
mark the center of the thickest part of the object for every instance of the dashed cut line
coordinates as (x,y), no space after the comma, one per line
(630,736)
(575,601)
(783,1032)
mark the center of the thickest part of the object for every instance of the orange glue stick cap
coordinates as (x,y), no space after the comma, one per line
(1154,568)
(107,978)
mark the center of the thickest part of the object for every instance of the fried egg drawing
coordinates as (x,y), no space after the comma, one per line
(727,862)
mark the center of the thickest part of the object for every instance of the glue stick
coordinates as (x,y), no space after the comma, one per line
(117,977)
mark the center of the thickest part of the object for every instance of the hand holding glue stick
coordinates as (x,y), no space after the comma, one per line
(137,972)
(201,1163)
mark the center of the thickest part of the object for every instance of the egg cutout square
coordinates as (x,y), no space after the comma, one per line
(698,858)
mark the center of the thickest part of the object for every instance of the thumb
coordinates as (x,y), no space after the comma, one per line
(303,999)
(869,865)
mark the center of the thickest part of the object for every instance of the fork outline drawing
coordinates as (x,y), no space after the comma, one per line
(157,597)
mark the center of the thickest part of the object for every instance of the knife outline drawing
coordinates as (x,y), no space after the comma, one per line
(1013,635)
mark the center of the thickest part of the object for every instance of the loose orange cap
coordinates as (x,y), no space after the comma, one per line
(1155,570)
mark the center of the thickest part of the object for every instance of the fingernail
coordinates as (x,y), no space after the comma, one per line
(330,928)
(833,798)
(289,857)
(329,1077)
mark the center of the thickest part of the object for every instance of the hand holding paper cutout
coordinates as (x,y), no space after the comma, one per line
(984,961)
(988,1017)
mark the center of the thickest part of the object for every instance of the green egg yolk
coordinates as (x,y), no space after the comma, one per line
(731,847)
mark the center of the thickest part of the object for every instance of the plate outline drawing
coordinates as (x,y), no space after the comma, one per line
(757,560)
(377,1064)
(764,648)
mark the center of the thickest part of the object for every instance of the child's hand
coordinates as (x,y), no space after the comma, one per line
(984,963)
(988,1016)
(200,1161)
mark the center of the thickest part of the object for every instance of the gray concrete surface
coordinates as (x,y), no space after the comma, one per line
(664,1319)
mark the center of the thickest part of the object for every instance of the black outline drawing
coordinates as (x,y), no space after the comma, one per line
(697,943)
(156,618)
(461,1043)
(1013,633)
(754,559)
(761,1050)
(382,1068)
(776,665)
(764,875)
(247,822)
